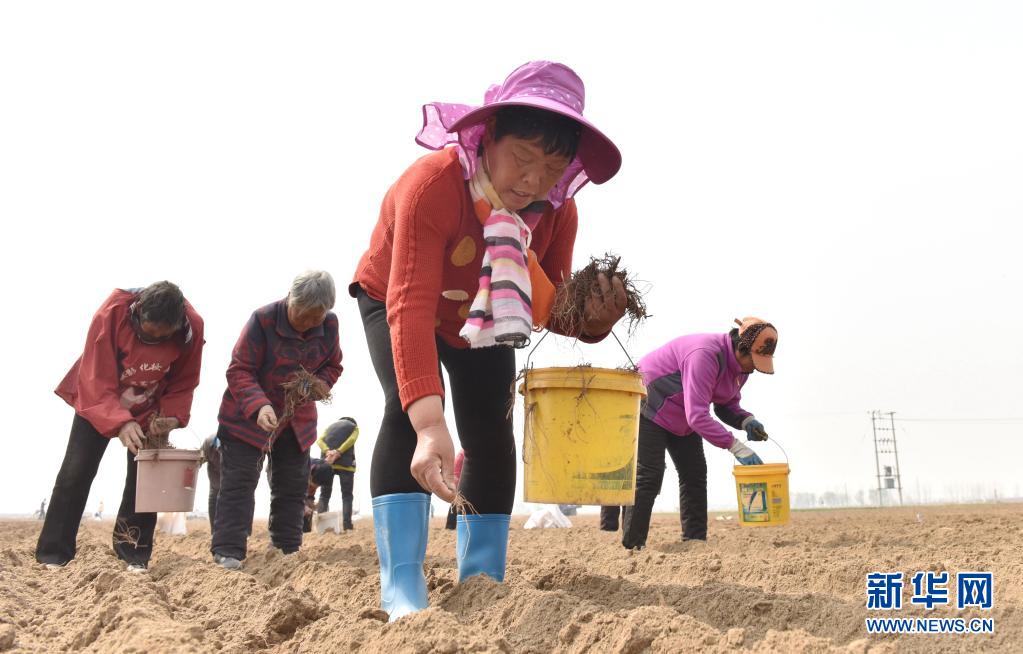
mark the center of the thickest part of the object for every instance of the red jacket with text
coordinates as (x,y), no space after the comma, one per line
(119,379)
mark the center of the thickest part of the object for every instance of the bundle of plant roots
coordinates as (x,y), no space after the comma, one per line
(570,304)
(302,387)
(159,441)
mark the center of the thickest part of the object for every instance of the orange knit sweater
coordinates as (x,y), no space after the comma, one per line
(424,262)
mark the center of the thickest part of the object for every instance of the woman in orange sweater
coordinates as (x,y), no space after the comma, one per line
(465,261)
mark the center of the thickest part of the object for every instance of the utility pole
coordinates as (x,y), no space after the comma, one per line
(886,454)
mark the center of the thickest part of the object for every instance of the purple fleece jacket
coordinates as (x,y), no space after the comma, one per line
(685,376)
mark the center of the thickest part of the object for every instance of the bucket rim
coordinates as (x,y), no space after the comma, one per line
(559,369)
(761,470)
(168,455)
(617,379)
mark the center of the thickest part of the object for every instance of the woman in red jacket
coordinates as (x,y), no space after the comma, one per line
(134,381)
(470,246)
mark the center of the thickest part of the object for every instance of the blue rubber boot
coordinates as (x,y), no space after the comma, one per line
(400,521)
(481,545)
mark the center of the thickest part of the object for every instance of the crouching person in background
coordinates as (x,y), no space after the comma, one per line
(321,474)
(211,458)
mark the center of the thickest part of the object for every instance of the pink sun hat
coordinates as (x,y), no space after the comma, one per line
(541,84)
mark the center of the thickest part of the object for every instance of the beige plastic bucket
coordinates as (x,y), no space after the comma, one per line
(166,480)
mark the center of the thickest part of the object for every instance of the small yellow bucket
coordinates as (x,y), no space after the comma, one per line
(581,433)
(763,494)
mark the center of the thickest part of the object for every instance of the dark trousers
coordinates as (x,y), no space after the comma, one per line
(213,474)
(288,474)
(609,517)
(345,479)
(686,453)
(133,532)
(481,382)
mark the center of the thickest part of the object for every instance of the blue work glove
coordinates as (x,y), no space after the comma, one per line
(754,429)
(744,454)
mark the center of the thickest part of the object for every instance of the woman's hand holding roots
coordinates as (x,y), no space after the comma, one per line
(433,462)
(605,306)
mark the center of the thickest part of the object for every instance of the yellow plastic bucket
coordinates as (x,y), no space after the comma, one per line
(581,433)
(763,494)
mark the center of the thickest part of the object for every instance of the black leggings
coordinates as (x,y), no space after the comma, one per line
(481,387)
(686,453)
(58,539)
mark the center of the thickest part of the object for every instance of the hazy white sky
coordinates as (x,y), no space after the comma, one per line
(850,171)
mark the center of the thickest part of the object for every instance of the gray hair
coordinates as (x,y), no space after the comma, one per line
(313,289)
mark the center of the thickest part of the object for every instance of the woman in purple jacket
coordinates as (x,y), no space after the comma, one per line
(683,378)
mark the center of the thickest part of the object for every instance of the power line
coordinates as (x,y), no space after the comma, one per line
(967,420)
(982,422)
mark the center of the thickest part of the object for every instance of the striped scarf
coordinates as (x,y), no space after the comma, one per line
(502,311)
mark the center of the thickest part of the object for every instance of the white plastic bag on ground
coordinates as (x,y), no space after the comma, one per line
(328,520)
(548,516)
(172,523)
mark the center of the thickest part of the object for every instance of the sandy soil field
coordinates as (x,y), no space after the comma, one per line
(799,588)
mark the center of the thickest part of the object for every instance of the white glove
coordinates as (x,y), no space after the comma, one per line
(744,454)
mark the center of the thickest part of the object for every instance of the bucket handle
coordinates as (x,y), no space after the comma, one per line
(533,349)
(783,452)
(633,363)
(546,332)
